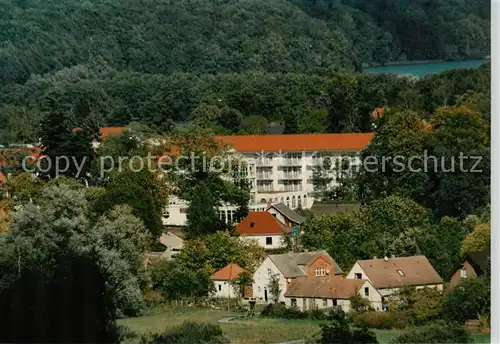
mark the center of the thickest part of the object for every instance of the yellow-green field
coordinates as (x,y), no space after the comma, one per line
(255,330)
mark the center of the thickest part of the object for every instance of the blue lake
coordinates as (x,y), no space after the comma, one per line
(423,69)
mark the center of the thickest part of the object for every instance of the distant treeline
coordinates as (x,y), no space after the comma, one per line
(235,66)
(232,103)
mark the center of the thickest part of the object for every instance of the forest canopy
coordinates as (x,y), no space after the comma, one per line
(236,66)
(224,36)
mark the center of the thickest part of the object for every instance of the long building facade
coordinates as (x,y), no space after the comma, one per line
(280,169)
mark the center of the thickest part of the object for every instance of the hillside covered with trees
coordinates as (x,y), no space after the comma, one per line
(166,36)
(234,66)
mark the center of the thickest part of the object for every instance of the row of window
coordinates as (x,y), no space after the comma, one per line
(295,201)
(324,301)
(304,303)
(319,272)
(227,216)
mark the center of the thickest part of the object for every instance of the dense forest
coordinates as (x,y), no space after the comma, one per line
(234,65)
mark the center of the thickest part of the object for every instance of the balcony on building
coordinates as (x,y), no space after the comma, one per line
(292,159)
(290,175)
(265,176)
(264,187)
(264,162)
(265,173)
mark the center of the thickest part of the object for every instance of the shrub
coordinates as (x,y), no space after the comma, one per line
(281,311)
(317,314)
(468,300)
(191,333)
(335,314)
(272,309)
(381,320)
(435,333)
(158,247)
(176,282)
(421,306)
(340,331)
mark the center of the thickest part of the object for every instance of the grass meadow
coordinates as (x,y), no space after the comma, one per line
(250,331)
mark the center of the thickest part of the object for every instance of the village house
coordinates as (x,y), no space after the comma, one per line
(285,215)
(388,275)
(223,282)
(307,293)
(288,267)
(262,226)
(473,264)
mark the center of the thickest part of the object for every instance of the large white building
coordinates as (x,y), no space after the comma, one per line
(280,168)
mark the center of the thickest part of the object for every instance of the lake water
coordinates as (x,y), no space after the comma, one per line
(423,69)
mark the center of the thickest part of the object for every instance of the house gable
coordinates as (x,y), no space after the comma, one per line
(261,279)
(286,215)
(464,271)
(397,272)
(323,264)
(357,272)
(261,223)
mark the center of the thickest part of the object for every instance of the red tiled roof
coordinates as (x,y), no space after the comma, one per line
(295,142)
(107,131)
(2,178)
(298,142)
(228,273)
(416,271)
(259,223)
(334,287)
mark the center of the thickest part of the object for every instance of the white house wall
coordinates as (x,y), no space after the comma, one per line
(374,298)
(261,279)
(393,291)
(356,269)
(305,304)
(224,289)
(278,215)
(277,240)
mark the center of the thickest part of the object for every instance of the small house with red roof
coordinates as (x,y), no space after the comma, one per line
(288,267)
(222,281)
(311,292)
(264,227)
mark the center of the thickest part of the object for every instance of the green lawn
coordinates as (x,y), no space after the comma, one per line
(256,330)
(385,336)
(252,331)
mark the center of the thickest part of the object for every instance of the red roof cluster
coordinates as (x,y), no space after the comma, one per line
(108,131)
(260,223)
(298,142)
(332,287)
(295,142)
(228,273)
